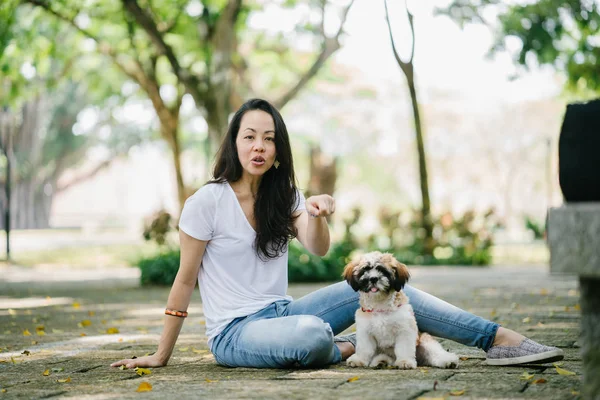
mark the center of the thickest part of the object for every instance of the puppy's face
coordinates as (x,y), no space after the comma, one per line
(376,273)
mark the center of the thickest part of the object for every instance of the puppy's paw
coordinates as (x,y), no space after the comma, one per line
(450,361)
(381,361)
(406,364)
(356,361)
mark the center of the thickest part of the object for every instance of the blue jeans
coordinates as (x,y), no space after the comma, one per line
(300,332)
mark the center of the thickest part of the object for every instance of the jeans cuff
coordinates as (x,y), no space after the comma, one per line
(337,354)
(492,335)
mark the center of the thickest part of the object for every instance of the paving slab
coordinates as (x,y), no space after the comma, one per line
(72,331)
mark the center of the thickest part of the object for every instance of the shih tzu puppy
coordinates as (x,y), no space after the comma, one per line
(386,329)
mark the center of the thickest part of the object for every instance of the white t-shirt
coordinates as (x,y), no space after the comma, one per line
(234,281)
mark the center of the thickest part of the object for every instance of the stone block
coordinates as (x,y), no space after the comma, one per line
(574,239)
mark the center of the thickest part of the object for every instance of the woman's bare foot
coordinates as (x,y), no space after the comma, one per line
(507,337)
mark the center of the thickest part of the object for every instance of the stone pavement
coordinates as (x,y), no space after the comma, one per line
(57,340)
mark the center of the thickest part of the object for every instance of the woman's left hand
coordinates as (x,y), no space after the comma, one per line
(321,205)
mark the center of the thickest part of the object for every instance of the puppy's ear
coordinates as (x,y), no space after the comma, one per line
(349,275)
(401,274)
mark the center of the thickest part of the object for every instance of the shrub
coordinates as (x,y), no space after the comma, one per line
(538,228)
(160,269)
(465,240)
(306,267)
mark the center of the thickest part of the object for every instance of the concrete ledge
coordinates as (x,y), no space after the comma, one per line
(574,239)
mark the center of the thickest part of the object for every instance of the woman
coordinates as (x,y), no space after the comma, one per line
(234,234)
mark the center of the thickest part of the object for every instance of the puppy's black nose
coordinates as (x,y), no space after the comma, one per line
(373,279)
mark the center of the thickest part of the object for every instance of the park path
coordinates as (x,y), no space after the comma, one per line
(70,326)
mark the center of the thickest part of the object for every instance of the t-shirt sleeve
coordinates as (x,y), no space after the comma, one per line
(199,214)
(300,200)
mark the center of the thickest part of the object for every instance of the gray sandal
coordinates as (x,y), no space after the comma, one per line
(346,338)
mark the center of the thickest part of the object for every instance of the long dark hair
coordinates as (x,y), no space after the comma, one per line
(277,194)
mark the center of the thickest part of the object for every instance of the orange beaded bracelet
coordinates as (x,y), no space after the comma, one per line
(175,313)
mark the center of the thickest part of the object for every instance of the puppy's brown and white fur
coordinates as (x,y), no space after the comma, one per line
(386,329)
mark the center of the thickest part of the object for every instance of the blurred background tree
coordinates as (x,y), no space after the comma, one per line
(203,49)
(560,34)
(408,68)
(43,96)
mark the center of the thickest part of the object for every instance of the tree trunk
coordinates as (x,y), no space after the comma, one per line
(323,173)
(29,205)
(170,132)
(426,206)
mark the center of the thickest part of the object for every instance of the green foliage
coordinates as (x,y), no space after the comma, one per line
(560,33)
(466,240)
(538,228)
(463,240)
(160,269)
(306,267)
(29,61)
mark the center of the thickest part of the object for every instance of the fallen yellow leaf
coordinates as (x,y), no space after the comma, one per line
(82,334)
(574,392)
(142,371)
(144,387)
(199,351)
(562,371)
(525,376)
(3,390)
(76,305)
(463,358)
(26,332)
(184,348)
(91,313)
(122,367)
(112,331)
(577,307)
(34,342)
(64,380)
(210,380)
(84,323)
(457,392)
(40,333)
(540,380)
(353,379)
(46,372)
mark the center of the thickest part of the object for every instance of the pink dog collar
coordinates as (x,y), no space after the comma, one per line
(375,310)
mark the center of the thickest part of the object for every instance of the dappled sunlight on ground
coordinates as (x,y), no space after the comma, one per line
(31,302)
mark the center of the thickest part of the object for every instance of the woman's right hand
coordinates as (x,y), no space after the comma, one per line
(146,361)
